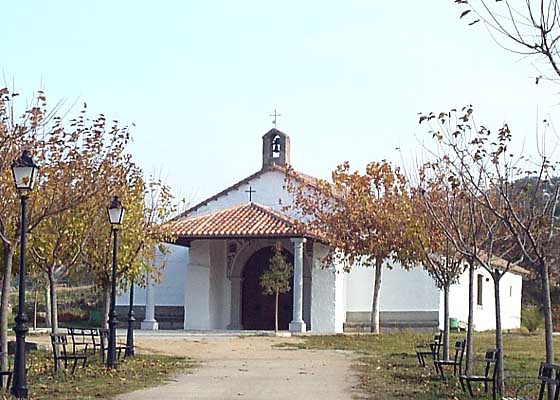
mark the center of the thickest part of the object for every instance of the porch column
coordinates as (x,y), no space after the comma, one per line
(297,324)
(149,322)
(235,316)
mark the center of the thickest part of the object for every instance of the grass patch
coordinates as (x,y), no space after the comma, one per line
(96,381)
(388,368)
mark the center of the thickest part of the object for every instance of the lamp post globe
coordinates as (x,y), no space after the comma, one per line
(24,172)
(115,213)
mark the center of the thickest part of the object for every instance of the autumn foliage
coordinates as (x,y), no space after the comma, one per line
(365,218)
(83,163)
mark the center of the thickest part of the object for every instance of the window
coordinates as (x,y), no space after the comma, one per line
(511,291)
(479,289)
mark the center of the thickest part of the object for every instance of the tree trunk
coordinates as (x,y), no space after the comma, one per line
(499,344)
(35,302)
(276,313)
(4,304)
(547,310)
(446,322)
(53,301)
(106,306)
(47,306)
(470,323)
(375,304)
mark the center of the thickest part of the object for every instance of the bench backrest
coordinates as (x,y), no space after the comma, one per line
(82,335)
(491,359)
(59,342)
(459,353)
(103,338)
(549,375)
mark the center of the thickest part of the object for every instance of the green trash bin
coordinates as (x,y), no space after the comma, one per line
(453,324)
(95,316)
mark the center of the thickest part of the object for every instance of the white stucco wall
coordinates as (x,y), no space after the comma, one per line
(169,291)
(327,303)
(220,286)
(484,315)
(197,293)
(401,290)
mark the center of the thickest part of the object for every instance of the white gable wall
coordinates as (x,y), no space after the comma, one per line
(484,315)
(268,189)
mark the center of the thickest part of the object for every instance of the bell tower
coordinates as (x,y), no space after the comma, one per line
(276,148)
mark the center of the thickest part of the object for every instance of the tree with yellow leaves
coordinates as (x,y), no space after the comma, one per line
(366,219)
(72,157)
(144,232)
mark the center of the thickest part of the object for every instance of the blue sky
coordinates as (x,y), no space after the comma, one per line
(200,78)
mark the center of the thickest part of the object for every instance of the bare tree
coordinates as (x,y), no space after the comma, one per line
(523,27)
(439,256)
(479,165)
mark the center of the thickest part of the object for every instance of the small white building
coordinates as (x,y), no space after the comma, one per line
(211,281)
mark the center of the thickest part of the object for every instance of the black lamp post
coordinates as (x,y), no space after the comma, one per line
(115,211)
(129,351)
(24,171)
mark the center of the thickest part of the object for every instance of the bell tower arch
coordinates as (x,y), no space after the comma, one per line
(276,148)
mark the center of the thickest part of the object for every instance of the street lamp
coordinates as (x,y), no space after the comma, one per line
(129,350)
(115,212)
(24,172)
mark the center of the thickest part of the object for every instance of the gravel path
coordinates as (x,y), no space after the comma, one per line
(250,368)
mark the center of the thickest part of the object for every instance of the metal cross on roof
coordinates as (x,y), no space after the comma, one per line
(275,115)
(250,191)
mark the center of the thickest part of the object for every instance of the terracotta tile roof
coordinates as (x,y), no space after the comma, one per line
(245,220)
(304,178)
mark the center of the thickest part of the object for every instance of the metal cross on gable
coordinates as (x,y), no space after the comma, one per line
(250,191)
(275,115)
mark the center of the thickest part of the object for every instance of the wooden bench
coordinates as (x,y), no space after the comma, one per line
(490,359)
(83,339)
(456,362)
(59,343)
(7,374)
(104,343)
(434,348)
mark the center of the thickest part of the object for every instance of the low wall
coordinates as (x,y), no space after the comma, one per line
(359,321)
(168,317)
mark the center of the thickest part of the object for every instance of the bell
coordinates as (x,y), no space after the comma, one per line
(276,145)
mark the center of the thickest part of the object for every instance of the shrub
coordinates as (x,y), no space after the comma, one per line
(531,318)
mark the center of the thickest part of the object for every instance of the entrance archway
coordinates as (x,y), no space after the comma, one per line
(257,309)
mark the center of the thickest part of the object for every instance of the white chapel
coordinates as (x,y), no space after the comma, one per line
(224,243)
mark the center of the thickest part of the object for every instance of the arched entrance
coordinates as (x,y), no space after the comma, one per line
(257,309)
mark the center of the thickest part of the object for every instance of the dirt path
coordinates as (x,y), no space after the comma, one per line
(250,368)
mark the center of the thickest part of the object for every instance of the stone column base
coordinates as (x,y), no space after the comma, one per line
(297,326)
(149,325)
